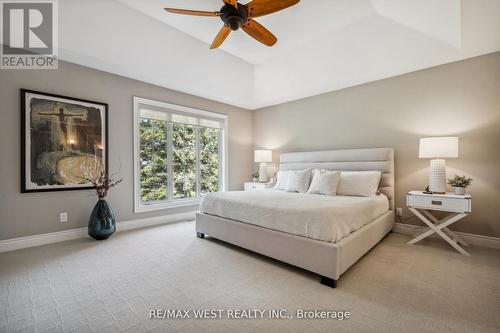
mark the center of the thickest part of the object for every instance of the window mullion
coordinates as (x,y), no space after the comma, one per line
(197,160)
(170,180)
(220,181)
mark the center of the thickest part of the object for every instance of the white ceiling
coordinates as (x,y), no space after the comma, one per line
(323,45)
(294,26)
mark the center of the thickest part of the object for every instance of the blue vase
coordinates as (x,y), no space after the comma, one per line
(102,221)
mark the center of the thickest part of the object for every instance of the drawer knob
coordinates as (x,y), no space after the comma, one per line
(438,203)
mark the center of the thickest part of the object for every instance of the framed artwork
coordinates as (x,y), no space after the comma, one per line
(60,137)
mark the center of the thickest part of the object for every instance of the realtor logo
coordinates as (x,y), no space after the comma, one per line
(29,34)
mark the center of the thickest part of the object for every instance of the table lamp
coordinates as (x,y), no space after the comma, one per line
(437,149)
(263,157)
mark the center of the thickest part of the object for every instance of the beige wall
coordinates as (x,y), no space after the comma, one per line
(461,99)
(36,213)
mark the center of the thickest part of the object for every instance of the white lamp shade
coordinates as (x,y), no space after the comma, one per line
(439,147)
(263,156)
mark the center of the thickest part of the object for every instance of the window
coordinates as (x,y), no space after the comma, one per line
(180,154)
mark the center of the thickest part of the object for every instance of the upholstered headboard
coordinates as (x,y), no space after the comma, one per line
(381,159)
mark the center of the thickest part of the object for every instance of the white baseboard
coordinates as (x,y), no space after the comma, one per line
(472,239)
(61,236)
(151,221)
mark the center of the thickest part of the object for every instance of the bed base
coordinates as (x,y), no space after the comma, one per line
(329,260)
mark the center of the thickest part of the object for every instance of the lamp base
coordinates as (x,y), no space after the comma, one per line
(263,173)
(437,176)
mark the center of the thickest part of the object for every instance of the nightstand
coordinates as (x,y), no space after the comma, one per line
(251,186)
(459,206)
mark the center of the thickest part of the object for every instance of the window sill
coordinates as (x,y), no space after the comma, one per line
(142,208)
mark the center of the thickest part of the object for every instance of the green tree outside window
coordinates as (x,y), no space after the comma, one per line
(154,169)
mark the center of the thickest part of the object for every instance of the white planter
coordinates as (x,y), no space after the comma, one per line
(459,190)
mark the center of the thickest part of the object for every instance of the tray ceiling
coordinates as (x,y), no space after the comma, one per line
(323,45)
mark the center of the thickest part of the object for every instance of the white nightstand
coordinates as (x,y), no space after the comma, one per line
(250,186)
(459,207)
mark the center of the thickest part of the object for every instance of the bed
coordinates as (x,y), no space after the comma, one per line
(323,234)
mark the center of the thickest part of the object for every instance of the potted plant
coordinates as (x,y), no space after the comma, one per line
(460,183)
(255,177)
(102,222)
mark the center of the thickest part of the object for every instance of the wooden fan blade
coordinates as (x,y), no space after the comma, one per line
(221,37)
(233,3)
(192,12)
(257,31)
(258,8)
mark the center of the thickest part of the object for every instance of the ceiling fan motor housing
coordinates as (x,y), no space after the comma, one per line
(234,18)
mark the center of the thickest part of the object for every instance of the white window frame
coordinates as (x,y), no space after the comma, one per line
(140,207)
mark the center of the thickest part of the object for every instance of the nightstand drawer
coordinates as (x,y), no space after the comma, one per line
(255,186)
(439,203)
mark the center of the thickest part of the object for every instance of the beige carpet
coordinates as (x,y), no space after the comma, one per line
(110,286)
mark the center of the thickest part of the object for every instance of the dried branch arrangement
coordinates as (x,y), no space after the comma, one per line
(95,173)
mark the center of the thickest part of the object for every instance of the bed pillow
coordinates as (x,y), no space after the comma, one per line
(299,181)
(359,183)
(282,180)
(324,182)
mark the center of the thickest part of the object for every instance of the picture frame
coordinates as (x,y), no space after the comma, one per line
(59,136)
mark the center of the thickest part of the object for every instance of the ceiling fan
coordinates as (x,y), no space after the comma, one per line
(235,16)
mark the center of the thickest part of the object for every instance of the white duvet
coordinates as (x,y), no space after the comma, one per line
(321,217)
